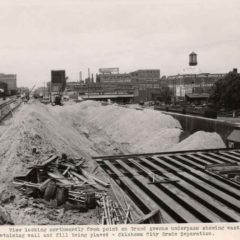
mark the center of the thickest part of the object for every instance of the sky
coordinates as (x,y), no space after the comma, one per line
(74,35)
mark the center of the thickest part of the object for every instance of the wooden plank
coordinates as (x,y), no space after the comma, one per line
(124,200)
(174,205)
(92,177)
(82,178)
(219,180)
(59,178)
(49,160)
(202,160)
(221,157)
(210,183)
(142,197)
(235,153)
(192,162)
(231,156)
(211,158)
(185,197)
(207,196)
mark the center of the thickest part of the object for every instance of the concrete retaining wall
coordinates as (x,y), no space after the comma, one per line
(193,124)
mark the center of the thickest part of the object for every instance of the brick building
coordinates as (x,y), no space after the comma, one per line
(191,80)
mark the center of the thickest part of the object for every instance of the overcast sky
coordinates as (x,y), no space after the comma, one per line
(41,36)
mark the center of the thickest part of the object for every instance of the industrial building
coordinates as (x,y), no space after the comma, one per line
(110,81)
(112,75)
(145,75)
(9,81)
(192,81)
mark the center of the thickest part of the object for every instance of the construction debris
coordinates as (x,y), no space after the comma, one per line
(62,181)
(110,212)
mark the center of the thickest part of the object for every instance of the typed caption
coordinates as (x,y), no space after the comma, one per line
(183,231)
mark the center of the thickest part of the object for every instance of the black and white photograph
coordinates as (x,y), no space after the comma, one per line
(119,112)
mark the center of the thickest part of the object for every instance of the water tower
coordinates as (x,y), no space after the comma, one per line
(193,59)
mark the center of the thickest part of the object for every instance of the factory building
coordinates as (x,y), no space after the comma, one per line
(145,75)
(112,75)
(142,83)
(192,81)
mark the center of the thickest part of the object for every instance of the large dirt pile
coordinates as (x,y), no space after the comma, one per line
(132,130)
(200,140)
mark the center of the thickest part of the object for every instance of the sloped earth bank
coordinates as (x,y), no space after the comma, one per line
(80,130)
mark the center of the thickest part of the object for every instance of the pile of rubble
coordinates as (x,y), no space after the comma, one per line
(62,182)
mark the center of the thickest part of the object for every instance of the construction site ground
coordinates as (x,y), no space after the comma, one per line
(79,130)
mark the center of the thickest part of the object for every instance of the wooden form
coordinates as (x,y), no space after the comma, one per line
(195,195)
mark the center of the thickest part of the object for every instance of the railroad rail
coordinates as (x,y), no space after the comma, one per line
(8,106)
(186,186)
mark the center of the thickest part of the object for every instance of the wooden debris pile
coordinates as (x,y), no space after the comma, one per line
(63,182)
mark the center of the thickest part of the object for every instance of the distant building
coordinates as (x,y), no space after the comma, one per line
(99,88)
(113,78)
(11,81)
(58,80)
(145,75)
(192,80)
(110,81)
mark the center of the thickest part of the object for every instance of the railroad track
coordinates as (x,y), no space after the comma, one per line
(180,184)
(8,107)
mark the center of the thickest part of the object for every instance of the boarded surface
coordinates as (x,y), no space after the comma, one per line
(189,192)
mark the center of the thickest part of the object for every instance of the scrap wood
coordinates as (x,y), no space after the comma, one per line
(95,179)
(118,194)
(43,185)
(49,160)
(87,175)
(86,179)
(58,177)
(127,215)
(74,192)
(71,166)
(82,178)
(67,169)
(74,179)
(123,200)
(26,184)
(81,162)
(109,212)
(77,200)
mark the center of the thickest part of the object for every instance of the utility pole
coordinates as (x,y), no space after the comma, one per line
(88,80)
